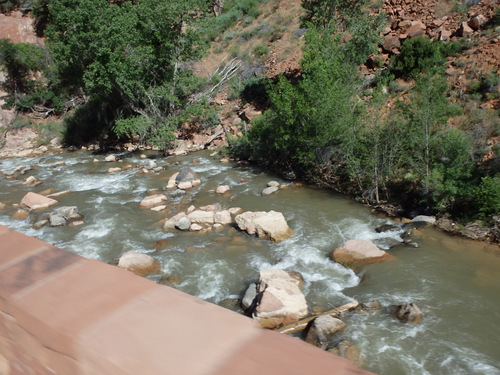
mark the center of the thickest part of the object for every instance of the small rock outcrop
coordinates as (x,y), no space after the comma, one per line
(270,224)
(138,263)
(322,329)
(278,299)
(358,251)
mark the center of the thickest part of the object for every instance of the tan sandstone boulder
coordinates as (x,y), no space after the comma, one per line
(138,263)
(153,200)
(358,251)
(270,224)
(281,301)
(34,201)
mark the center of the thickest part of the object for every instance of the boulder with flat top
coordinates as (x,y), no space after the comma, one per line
(270,224)
(358,251)
(138,263)
(278,299)
(34,201)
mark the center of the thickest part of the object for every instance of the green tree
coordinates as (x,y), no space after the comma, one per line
(21,62)
(129,56)
(487,196)
(311,124)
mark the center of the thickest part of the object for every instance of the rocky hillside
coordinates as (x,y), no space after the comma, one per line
(271,44)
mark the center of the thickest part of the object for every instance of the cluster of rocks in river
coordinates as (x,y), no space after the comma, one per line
(277,302)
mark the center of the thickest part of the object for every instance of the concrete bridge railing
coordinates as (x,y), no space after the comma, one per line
(63,314)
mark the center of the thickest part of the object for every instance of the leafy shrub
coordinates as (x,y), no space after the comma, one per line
(261,50)
(495,20)
(20,122)
(422,55)
(488,196)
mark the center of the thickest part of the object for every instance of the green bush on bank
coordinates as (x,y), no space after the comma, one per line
(487,196)
(421,55)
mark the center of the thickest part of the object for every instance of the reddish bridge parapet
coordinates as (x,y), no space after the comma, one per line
(64,314)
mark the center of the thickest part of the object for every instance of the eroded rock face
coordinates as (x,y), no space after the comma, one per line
(138,263)
(322,329)
(270,224)
(358,251)
(279,299)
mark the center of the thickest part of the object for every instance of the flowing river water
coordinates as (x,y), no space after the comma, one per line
(455,282)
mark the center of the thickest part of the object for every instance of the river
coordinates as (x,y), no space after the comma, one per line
(455,282)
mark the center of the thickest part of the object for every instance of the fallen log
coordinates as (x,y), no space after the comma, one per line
(302,324)
(216,135)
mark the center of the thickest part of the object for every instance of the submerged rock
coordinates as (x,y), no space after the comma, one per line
(387,228)
(347,350)
(31,180)
(408,313)
(369,307)
(270,224)
(270,190)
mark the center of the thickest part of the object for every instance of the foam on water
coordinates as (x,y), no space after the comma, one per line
(107,183)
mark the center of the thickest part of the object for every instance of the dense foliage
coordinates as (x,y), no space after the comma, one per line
(325,129)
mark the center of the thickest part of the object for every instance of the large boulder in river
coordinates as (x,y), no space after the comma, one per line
(279,299)
(358,251)
(322,329)
(185,174)
(138,263)
(34,201)
(270,224)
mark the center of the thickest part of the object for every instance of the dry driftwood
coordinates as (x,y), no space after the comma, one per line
(302,324)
